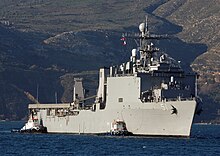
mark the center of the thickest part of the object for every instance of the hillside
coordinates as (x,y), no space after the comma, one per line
(44,43)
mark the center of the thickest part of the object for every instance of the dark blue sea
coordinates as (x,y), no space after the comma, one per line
(205,140)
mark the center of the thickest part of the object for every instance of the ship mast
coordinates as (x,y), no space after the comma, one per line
(147,48)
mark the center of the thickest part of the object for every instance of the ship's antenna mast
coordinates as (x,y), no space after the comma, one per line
(146,25)
(37,92)
(56,97)
(146,47)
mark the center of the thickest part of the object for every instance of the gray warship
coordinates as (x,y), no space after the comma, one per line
(150,94)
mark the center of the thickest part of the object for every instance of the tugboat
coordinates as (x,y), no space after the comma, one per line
(118,128)
(33,125)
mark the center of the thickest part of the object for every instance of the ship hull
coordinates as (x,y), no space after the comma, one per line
(153,119)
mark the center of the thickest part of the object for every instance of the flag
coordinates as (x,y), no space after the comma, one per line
(123,39)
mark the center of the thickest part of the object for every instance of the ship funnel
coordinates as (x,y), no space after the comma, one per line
(78,90)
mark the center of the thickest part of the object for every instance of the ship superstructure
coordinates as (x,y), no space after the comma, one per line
(148,95)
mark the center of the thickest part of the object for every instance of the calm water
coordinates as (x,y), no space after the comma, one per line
(205,140)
